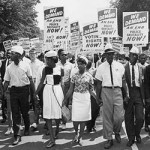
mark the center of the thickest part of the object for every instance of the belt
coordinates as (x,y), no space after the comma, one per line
(111,87)
(19,87)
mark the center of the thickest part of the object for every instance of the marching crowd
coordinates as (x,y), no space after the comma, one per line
(121,85)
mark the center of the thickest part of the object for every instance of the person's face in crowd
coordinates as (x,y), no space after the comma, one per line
(63,56)
(110,57)
(15,56)
(133,58)
(142,59)
(81,66)
(50,62)
(89,65)
(32,56)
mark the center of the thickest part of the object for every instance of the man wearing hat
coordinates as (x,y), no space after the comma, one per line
(134,116)
(18,76)
(110,80)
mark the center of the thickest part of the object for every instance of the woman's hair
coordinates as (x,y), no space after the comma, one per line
(59,52)
(81,60)
(88,66)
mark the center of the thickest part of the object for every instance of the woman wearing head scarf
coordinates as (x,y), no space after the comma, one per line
(80,86)
(52,94)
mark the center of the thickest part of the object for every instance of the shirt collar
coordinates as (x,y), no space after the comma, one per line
(59,63)
(111,63)
(134,65)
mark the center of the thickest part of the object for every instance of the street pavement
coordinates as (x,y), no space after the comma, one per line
(93,141)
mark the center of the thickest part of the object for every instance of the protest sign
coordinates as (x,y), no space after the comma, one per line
(107,22)
(126,51)
(7,45)
(91,40)
(15,42)
(62,43)
(54,25)
(74,36)
(117,43)
(67,27)
(135,27)
(33,41)
(25,43)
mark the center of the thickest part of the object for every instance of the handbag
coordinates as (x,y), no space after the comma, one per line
(66,113)
(65,110)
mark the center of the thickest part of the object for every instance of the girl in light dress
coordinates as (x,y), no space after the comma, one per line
(52,94)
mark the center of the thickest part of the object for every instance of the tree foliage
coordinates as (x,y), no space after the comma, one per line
(129,6)
(18,19)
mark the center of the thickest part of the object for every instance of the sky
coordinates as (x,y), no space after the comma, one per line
(83,11)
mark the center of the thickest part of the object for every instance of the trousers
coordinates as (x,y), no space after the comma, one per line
(113,112)
(19,98)
(134,114)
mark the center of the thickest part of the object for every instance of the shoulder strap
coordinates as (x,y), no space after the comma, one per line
(56,97)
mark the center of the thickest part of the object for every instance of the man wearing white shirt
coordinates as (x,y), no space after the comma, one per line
(24,58)
(110,80)
(35,64)
(67,67)
(19,76)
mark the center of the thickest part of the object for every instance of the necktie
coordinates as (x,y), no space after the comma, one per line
(111,75)
(8,62)
(133,76)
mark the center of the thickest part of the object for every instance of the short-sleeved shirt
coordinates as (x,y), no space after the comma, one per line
(83,82)
(103,74)
(18,74)
(39,75)
(35,66)
(67,70)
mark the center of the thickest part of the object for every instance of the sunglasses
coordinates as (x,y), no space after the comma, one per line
(64,54)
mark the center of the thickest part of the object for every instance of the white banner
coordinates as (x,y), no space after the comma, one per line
(25,43)
(54,25)
(7,45)
(126,51)
(135,27)
(117,43)
(33,41)
(15,42)
(74,36)
(107,23)
(91,40)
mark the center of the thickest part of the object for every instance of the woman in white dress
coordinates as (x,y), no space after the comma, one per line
(52,94)
(81,86)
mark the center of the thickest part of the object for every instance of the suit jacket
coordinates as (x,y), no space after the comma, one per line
(141,79)
(3,69)
(147,82)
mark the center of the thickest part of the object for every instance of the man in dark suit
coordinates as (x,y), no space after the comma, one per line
(5,63)
(134,116)
(147,97)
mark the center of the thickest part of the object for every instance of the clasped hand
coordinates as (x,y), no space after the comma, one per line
(99,102)
(64,102)
(126,100)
